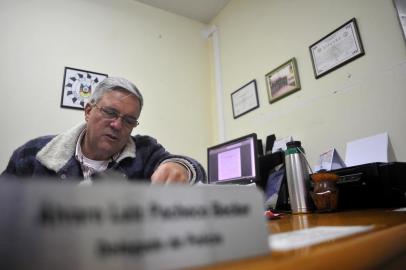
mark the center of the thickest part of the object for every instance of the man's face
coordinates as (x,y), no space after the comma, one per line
(106,136)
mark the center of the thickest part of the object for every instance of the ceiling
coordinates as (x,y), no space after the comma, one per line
(200,10)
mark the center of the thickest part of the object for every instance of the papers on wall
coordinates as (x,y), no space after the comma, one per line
(312,236)
(280,144)
(368,150)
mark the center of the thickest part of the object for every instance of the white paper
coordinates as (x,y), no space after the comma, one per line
(367,150)
(312,236)
(330,160)
(337,162)
(280,144)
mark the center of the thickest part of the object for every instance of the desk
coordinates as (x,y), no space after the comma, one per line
(384,247)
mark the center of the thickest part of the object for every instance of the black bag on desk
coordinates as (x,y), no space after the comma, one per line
(273,181)
(276,190)
(372,185)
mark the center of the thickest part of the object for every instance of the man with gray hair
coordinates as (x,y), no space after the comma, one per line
(103,145)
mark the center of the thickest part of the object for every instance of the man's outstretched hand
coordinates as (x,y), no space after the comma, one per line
(169,173)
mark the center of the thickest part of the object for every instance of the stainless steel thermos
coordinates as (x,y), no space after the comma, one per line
(298,178)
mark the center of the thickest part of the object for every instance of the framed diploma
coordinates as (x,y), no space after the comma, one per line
(245,99)
(338,48)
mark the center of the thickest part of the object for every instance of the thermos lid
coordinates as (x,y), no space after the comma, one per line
(293,144)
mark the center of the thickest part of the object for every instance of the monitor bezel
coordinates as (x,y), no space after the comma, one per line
(256,160)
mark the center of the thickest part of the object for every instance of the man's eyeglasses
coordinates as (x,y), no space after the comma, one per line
(113,114)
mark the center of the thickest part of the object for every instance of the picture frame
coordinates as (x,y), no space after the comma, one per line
(336,49)
(77,87)
(400,6)
(283,80)
(245,99)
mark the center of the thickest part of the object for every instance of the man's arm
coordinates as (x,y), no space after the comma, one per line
(23,162)
(161,166)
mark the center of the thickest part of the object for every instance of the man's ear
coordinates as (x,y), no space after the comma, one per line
(88,109)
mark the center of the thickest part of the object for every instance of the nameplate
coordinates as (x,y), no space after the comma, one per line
(331,160)
(128,226)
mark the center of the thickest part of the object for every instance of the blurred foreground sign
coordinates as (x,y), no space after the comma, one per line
(127,226)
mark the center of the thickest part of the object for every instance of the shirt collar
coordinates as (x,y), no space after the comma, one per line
(128,151)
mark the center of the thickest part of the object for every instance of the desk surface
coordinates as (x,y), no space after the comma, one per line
(384,247)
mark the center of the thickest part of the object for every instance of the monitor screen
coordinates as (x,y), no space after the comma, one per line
(235,161)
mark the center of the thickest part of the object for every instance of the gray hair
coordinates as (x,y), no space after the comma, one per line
(114,84)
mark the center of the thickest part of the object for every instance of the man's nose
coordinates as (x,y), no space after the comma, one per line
(117,123)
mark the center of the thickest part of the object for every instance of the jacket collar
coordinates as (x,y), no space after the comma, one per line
(56,153)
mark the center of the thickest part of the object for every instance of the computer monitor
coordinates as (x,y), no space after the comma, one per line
(234,162)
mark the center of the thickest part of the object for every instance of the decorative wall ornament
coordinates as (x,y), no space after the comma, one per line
(77,87)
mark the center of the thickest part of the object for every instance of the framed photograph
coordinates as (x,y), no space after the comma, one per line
(77,87)
(283,80)
(400,6)
(338,48)
(245,99)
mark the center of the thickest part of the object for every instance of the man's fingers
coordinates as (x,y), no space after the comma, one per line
(158,177)
(170,172)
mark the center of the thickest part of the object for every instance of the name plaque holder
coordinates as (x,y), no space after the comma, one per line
(46,225)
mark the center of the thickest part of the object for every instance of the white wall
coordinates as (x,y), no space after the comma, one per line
(169,60)
(165,55)
(362,98)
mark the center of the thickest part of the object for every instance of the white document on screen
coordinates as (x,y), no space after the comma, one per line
(128,226)
(230,164)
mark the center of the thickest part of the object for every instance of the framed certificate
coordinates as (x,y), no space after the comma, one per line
(245,99)
(338,48)
(400,6)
